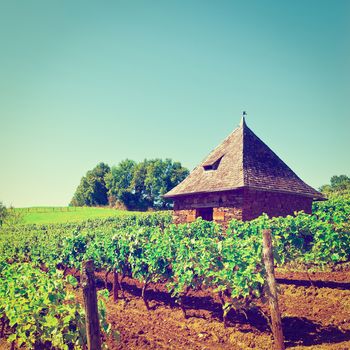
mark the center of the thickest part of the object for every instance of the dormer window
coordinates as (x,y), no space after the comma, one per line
(212,166)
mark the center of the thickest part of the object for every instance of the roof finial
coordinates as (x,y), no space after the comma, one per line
(242,123)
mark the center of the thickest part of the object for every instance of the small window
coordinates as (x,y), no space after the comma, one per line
(212,166)
(205,213)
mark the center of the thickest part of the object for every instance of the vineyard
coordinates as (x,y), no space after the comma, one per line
(170,269)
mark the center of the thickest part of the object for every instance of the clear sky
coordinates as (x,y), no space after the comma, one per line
(89,81)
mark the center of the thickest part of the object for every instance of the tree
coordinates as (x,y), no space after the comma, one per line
(92,188)
(142,185)
(118,180)
(140,198)
(161,177)
(339,184)
(9,217)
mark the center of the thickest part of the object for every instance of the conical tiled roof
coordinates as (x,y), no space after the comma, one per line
(243,160)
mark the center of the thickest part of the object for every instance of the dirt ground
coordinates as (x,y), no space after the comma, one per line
(314,316)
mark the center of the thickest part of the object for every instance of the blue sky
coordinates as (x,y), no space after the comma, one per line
(89,81)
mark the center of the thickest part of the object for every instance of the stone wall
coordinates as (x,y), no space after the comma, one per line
(231,199)
(226,206)
(243,204)
(223,215)
(184,215)
(273,204)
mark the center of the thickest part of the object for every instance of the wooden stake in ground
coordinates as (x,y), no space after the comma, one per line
(272,291)
(91,309)
(115,285)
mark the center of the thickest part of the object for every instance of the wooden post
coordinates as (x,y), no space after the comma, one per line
(91,309)
(272,291)
(115,285)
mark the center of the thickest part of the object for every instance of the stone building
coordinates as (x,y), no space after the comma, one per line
(241,178)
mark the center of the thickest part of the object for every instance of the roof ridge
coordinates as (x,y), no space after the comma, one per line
(244,127)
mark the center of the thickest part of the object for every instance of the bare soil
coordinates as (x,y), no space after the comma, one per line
(315,315)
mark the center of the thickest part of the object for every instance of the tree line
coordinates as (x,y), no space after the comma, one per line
(130,185)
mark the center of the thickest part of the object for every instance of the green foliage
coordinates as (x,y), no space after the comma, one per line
(142,185)
(92,188)
(188,256)
(339,185)
(9,216)
(54,244)
(118,180)
(41,310)
(318,239)
(335,210)
(135,186)
(74,248)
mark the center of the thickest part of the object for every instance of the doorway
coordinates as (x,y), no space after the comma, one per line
(205,213)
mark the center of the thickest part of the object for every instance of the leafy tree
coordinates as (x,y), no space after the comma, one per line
(118,181)
(339,185)
(161,177)
(142,185)
(92,188)
(9,216)
(141,198)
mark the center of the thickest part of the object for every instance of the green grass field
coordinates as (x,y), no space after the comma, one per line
(53,215)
